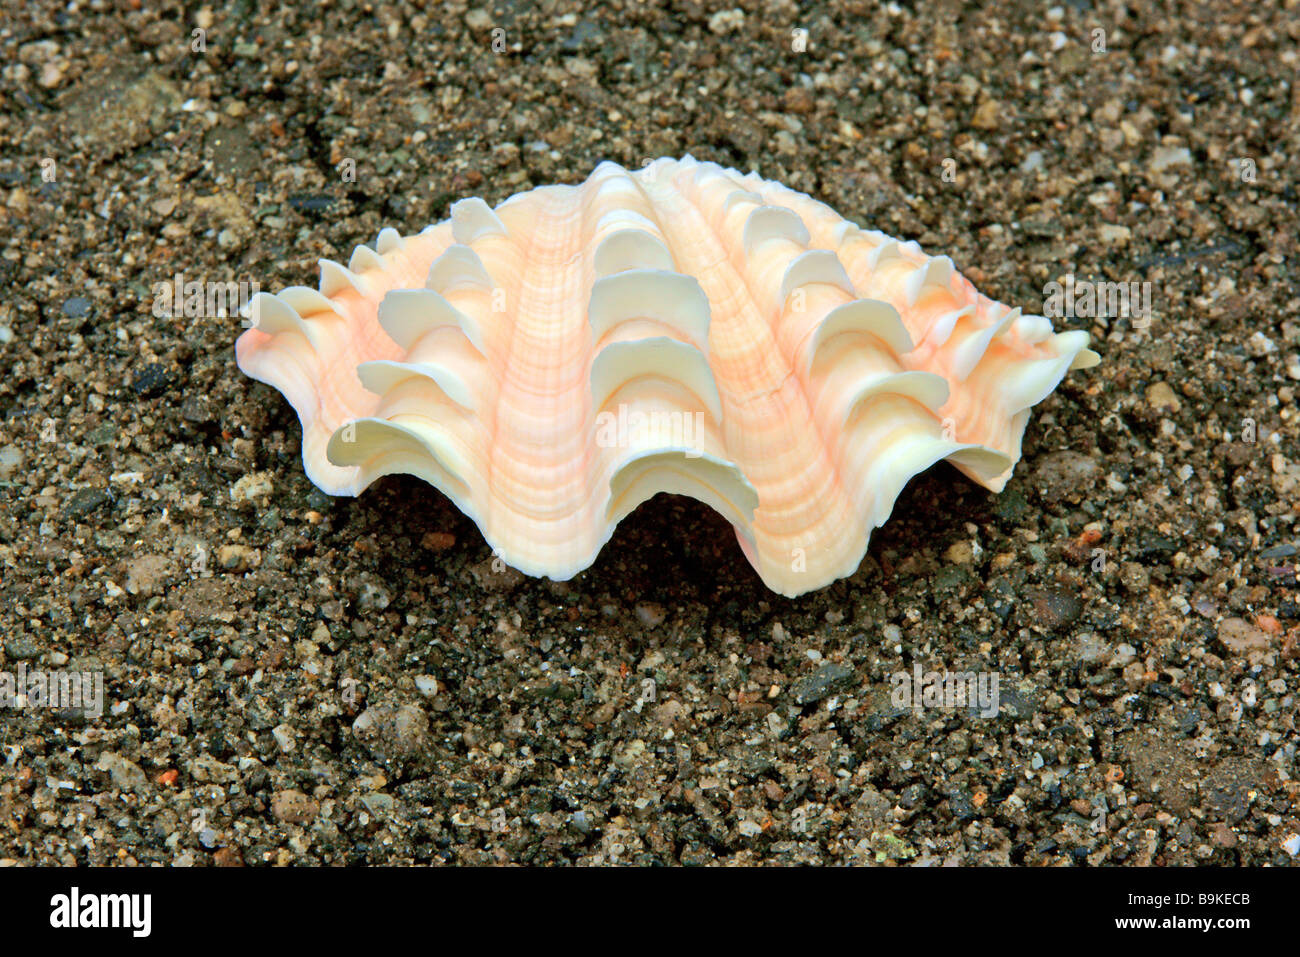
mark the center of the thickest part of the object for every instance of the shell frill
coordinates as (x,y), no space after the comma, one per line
(553,362)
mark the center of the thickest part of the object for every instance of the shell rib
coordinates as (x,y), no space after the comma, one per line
(551,364)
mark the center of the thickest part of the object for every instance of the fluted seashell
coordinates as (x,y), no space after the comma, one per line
(553,362)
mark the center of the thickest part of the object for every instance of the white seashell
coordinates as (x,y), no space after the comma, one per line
(554,362)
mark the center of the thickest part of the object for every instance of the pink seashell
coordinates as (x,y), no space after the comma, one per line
(552,363)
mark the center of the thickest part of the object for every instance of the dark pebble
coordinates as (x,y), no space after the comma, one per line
(1151,544)
(961,805)
(313,204)
(1010,507)
(149,381)
(1278,551)
(319,500)
(84,502)
(818,685)
(1056,609)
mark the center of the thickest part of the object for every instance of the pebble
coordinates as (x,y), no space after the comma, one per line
(294,807)
(1260,345)
(126,775)
(1092,649)
(285,737)
(252,490)
(85,501)
(373,597)
(77,307)
(987,115)
(228,857)
(960,553)
(145,574)
(1161,396)
(650,614)
(1055,609)
(150,381)
(821,683)
(438,541)
(1240,637)
(238,558)
(727,21)
(11,460)
(1164,157)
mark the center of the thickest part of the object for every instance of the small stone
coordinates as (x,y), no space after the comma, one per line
(727,21)
(1092,649)
(1160,395)
(293,807)
(77,307)
(228,857)
(126,775)
(438,541)
(799,99)
(821,683)
(960,553)
(150,381)
(252,490)
(1134,578)
(11,460)
(196,408)
(285,737)
(987,115)
(1166,156)
(378,804)
(84,502)
(1260,345)
(23,649)
(1240,637)
(1124,654)
(373,597)
(1055,609)
(582,68)
(145,574)
(1223,836)
(238,558)
(1114,235)
(650,614)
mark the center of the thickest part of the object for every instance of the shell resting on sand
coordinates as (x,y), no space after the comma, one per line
(554,362)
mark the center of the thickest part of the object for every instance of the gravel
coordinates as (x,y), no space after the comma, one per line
(290,678)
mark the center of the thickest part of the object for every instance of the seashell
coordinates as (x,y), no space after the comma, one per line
(553,362)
